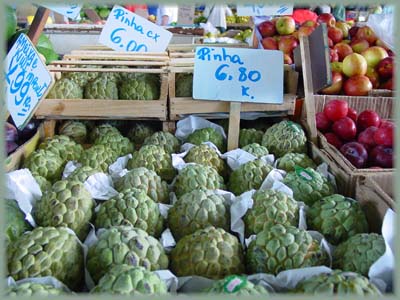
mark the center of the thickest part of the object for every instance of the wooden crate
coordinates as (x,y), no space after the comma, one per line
(182,61)
(155,63)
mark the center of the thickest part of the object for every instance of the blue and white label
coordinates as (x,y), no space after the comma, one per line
(27,80)
(128,32)
(234,74)
(70,11)
(264,10)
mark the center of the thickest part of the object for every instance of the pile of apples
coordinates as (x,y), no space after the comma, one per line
(360,61)
(364,139)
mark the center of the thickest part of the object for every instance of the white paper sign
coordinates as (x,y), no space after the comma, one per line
(126,31)
(27,80)
(264,10)
(233,74)
(70,11)
(185,14)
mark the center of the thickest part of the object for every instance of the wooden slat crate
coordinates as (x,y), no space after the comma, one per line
(81,60)
(182,61)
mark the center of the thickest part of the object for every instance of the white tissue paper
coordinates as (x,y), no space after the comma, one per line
(190,124)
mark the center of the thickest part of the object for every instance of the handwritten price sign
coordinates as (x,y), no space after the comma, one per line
(70,11)
(126,31)
(233,74)
(264,10)
(27,80)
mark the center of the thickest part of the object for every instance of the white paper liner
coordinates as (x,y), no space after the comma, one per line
(100,186)
(236,158)
(323,170)
(169,278)
(167,240)
(118,168)
(48,280)
(70,167)
(22,187)
(192,123)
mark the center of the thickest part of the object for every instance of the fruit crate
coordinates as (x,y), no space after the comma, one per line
(114,62)
(182,61)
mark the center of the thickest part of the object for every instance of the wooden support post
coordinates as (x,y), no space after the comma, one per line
(169,126)
(92,15)
(234,125)
(38,23)
(49,127)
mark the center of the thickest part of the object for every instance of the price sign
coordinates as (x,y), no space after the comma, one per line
(126,31)
(264,10)
(234,74)
(27,80)
(70,11)
(185,14)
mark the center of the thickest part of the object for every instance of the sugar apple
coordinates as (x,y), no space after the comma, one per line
(193,177)
(139,132)
(117,142)
(65,89)
(285,137)
(98,157)
(165,139)
(81,78)
(198,209)
(43,183)
(130,280)
(237,285)
(63,146)
(139,88)
(249,136)
(200,136)
(81,174)
(27,289)
(270,207)
(256,149)
(15,221)
(337,218)
(130,207)
(45,163)
(337,282)
(154,158)
(103,87)
(359,252)
(101,130)
(47,251)
(75,130)
(147,180)
(279,248)
(210,252)
(308,185)
(290,160)
(119,245)
(248,176)
(67,203)
(184,84)
(207,156)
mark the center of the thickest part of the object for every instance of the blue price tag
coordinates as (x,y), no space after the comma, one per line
(264,10)
(234,74)
(70,11)
(27,80)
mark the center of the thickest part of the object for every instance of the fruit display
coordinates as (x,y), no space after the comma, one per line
(364,138)
(237,285)
(207,156)
(33,289)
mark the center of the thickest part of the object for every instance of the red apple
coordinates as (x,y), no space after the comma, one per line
(381,156)
(352,114)
(335,34)
(330,43)
(385,67)
(336,86)
(345,129)
(287,44)
(357,85)
(333,140)
(367,118)
(355,153)
(374,55)
(373,77)
(285,25)
(336,109)
(343,50)
(384,136)
(269,43)
(359,46)
(326,18)
(386,123)
(366,138)
(305,30)
(344,27)
(387,85)
(309,23)
(354,64)
(267,29)
(353,31)
(323,123)
(333,55)
(337,66)
(366,33)
(287,59)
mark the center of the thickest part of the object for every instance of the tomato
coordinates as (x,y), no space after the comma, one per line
(366,119)
(345,129)
(366,138)
(336,109)
(323,123)
(384,136)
